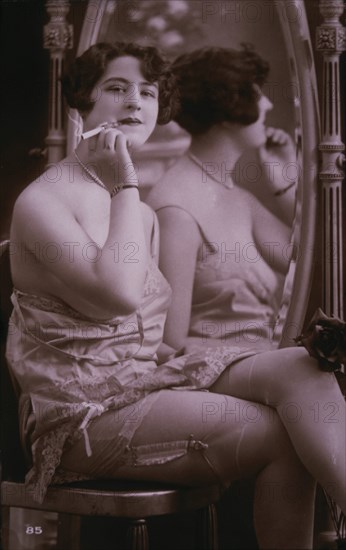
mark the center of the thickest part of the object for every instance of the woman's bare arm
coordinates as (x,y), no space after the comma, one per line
(179,244)
(272,237)
(108,279)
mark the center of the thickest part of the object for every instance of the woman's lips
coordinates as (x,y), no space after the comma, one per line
(130,121)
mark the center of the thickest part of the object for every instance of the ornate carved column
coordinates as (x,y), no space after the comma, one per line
(58,37)
(331,41)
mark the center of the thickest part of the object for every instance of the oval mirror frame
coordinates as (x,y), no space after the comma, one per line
(296,36)
(297,31)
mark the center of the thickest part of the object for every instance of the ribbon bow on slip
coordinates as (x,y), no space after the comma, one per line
(95,409)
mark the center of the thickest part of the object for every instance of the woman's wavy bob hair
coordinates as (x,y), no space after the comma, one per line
(83,74)
(217,85)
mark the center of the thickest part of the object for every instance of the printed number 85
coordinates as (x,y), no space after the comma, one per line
(37,530)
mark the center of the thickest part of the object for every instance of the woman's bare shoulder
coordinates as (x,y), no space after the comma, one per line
(176,184)
(56,188)
(41,202)
(36,201)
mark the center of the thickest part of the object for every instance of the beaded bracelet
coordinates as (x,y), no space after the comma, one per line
(283,191)
(119,188)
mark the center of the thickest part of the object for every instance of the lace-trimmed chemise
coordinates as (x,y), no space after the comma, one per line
(71,368)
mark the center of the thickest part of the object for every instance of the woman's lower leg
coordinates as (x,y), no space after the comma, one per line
(284,506)
(284,492)
(309,404)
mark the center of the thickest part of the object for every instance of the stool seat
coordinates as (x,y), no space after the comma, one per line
(126,499)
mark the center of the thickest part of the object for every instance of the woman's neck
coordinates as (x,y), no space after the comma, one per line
(217,146)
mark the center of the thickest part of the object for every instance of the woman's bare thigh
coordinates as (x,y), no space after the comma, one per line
(188,437)
(269,376)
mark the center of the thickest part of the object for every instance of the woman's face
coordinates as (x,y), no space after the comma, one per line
(254,135)
(257,130)
(123,96)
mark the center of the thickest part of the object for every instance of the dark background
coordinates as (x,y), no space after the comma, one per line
(24,94)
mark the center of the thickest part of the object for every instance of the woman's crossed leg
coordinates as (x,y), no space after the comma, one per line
(309,403)
(228,438)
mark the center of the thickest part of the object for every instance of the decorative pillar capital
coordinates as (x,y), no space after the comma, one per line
(57,38)
(57,34)
(331,35)
(331,38)
(331,10)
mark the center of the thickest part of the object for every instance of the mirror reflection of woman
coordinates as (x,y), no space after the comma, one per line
(221,250)
(236,246)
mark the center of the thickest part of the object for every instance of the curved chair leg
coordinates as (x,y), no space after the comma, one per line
(137,535)
(207,531)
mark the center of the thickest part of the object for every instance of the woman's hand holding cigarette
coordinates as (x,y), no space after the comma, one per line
(110,154)
(98,129)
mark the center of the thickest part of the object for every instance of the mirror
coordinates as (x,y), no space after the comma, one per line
(279,32)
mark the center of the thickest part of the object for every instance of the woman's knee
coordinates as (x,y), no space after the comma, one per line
(251,378)
(295,359)
(286,371)
(254,437)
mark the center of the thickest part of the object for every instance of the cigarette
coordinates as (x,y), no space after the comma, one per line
(98,129)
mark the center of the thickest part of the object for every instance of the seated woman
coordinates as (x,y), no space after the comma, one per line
(89,311)
(220,250)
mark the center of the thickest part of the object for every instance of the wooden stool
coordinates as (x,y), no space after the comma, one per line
(132,500)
